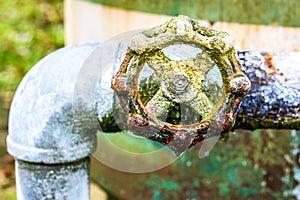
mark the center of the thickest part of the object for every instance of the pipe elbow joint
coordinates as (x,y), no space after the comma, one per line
(49,122)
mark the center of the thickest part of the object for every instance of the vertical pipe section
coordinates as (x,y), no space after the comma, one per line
(67,181)
(51,135)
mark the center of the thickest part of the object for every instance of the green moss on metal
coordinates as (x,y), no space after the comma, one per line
(108,123)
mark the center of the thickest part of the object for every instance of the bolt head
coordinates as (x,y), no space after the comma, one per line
(240,85)
(180,83)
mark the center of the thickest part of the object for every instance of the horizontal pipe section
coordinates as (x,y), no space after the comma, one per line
(274,98)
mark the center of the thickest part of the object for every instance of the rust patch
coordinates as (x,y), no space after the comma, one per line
(270,103)
(271,70)
(269,60)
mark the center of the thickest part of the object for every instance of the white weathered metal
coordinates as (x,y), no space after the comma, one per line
(51,135)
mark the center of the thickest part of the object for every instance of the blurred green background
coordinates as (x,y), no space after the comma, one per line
(250,165)
(29,30)
(259,164)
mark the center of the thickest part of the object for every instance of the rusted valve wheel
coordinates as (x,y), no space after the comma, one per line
(180,82)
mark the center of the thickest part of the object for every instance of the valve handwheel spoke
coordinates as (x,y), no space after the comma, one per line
(158,105)
(202,105)
(161,64)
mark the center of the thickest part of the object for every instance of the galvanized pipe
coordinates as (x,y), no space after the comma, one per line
(51,132)
(55,181)
(274,97)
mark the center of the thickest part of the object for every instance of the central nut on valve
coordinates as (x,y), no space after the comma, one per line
(180,83)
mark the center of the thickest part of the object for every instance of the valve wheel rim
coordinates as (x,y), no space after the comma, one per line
(218,46)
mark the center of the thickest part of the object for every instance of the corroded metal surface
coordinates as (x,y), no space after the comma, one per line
(52,130)
(274,98)
(44,126)
(67,181)
(180,82)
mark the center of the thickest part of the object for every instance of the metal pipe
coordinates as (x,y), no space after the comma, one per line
(272,102)
(52,132)
(55,181)
(274,97)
